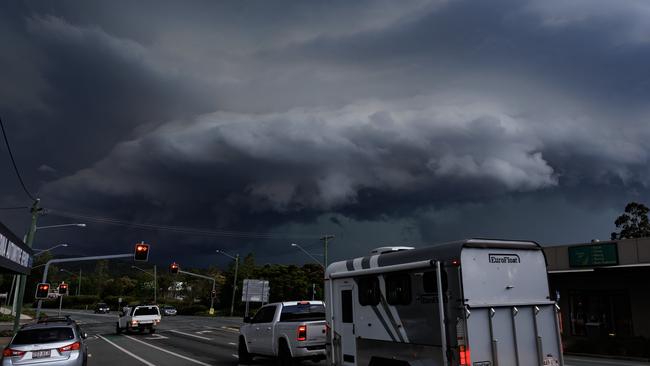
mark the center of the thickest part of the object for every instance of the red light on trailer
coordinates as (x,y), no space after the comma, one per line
(302,333)
(455,262)
(463,353)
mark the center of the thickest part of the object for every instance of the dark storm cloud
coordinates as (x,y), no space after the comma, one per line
(407,115)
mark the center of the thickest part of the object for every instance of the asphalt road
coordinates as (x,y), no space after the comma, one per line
(179,340)
(190,340)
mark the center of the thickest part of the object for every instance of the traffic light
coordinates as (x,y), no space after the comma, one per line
(141,252)
(63,288)
(173,268)
(42,289)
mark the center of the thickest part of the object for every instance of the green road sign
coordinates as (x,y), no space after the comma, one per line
(605,254)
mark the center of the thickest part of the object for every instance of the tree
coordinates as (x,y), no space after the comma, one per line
(633,223)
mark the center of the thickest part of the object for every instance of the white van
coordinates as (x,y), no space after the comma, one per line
(385,309)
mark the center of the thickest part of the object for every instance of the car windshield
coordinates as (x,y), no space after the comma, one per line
(302,312)
(44,335)
(149,310)
(170,308)
(102,305)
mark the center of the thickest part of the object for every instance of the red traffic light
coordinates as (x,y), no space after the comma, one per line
(63,289)
(141,252)
(174,267)
(42,290)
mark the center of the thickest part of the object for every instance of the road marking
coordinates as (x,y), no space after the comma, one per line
(235,356)
(224,329)
(157,336)
(189,335)
(204,331)
(232,344)
(167,351)
(127,352)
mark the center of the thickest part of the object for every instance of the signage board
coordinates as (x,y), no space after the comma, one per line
(15,256)
(604,254)
(255,291)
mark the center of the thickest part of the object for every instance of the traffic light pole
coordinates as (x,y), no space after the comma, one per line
(60,303)
(78,259)
(22,279)
(214,283)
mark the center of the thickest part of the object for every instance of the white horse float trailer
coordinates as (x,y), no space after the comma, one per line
(385,309)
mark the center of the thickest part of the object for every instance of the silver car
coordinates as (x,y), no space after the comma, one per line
(49,342)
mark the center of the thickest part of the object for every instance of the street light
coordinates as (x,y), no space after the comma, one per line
(234,285)
(155,281)
(74,274)
(41,251)
(61,225)
(306,252)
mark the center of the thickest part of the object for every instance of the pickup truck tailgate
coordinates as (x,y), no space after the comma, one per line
(316,331)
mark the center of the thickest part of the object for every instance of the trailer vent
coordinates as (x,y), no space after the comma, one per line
(384,250)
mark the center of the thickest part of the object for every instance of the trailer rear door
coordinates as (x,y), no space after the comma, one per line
(510,319)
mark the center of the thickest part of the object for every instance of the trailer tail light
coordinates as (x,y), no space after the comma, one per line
(71,347)
(463,356)
(8,352)
(302,333)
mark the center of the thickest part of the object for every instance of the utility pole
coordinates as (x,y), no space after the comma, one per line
(234,286)
(79,287)
(325,239)
(155,285)
(22,279)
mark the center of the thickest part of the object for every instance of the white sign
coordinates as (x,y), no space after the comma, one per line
(255,291)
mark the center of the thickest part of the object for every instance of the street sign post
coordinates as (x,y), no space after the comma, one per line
(255,291)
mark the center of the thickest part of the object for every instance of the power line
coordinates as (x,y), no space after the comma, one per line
(14,208)
(13,161)
(178,229)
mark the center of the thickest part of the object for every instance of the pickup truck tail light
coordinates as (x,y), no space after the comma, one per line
(302,333)
(134,323)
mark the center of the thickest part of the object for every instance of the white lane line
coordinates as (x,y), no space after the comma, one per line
(157,336)
(170,352)
(235,356)
(189,334)
(227,330)
(232,344)
(204,331)
(127,352)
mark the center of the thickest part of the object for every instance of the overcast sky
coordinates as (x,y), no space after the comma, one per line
(381,122)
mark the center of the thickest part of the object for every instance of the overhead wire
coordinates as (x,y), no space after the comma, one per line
(13,162)
(14,208)
(177,229)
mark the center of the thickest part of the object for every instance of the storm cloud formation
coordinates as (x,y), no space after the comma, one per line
(380,121)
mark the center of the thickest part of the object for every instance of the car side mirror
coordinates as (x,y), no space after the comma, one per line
(248,319)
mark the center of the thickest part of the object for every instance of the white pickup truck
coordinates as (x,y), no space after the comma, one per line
(290,331)
(140,318)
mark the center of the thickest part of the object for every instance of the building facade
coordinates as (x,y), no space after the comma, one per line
(603,287)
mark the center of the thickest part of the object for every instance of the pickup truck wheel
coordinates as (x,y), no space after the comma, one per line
(284,355)
(118,330)
(245,358)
